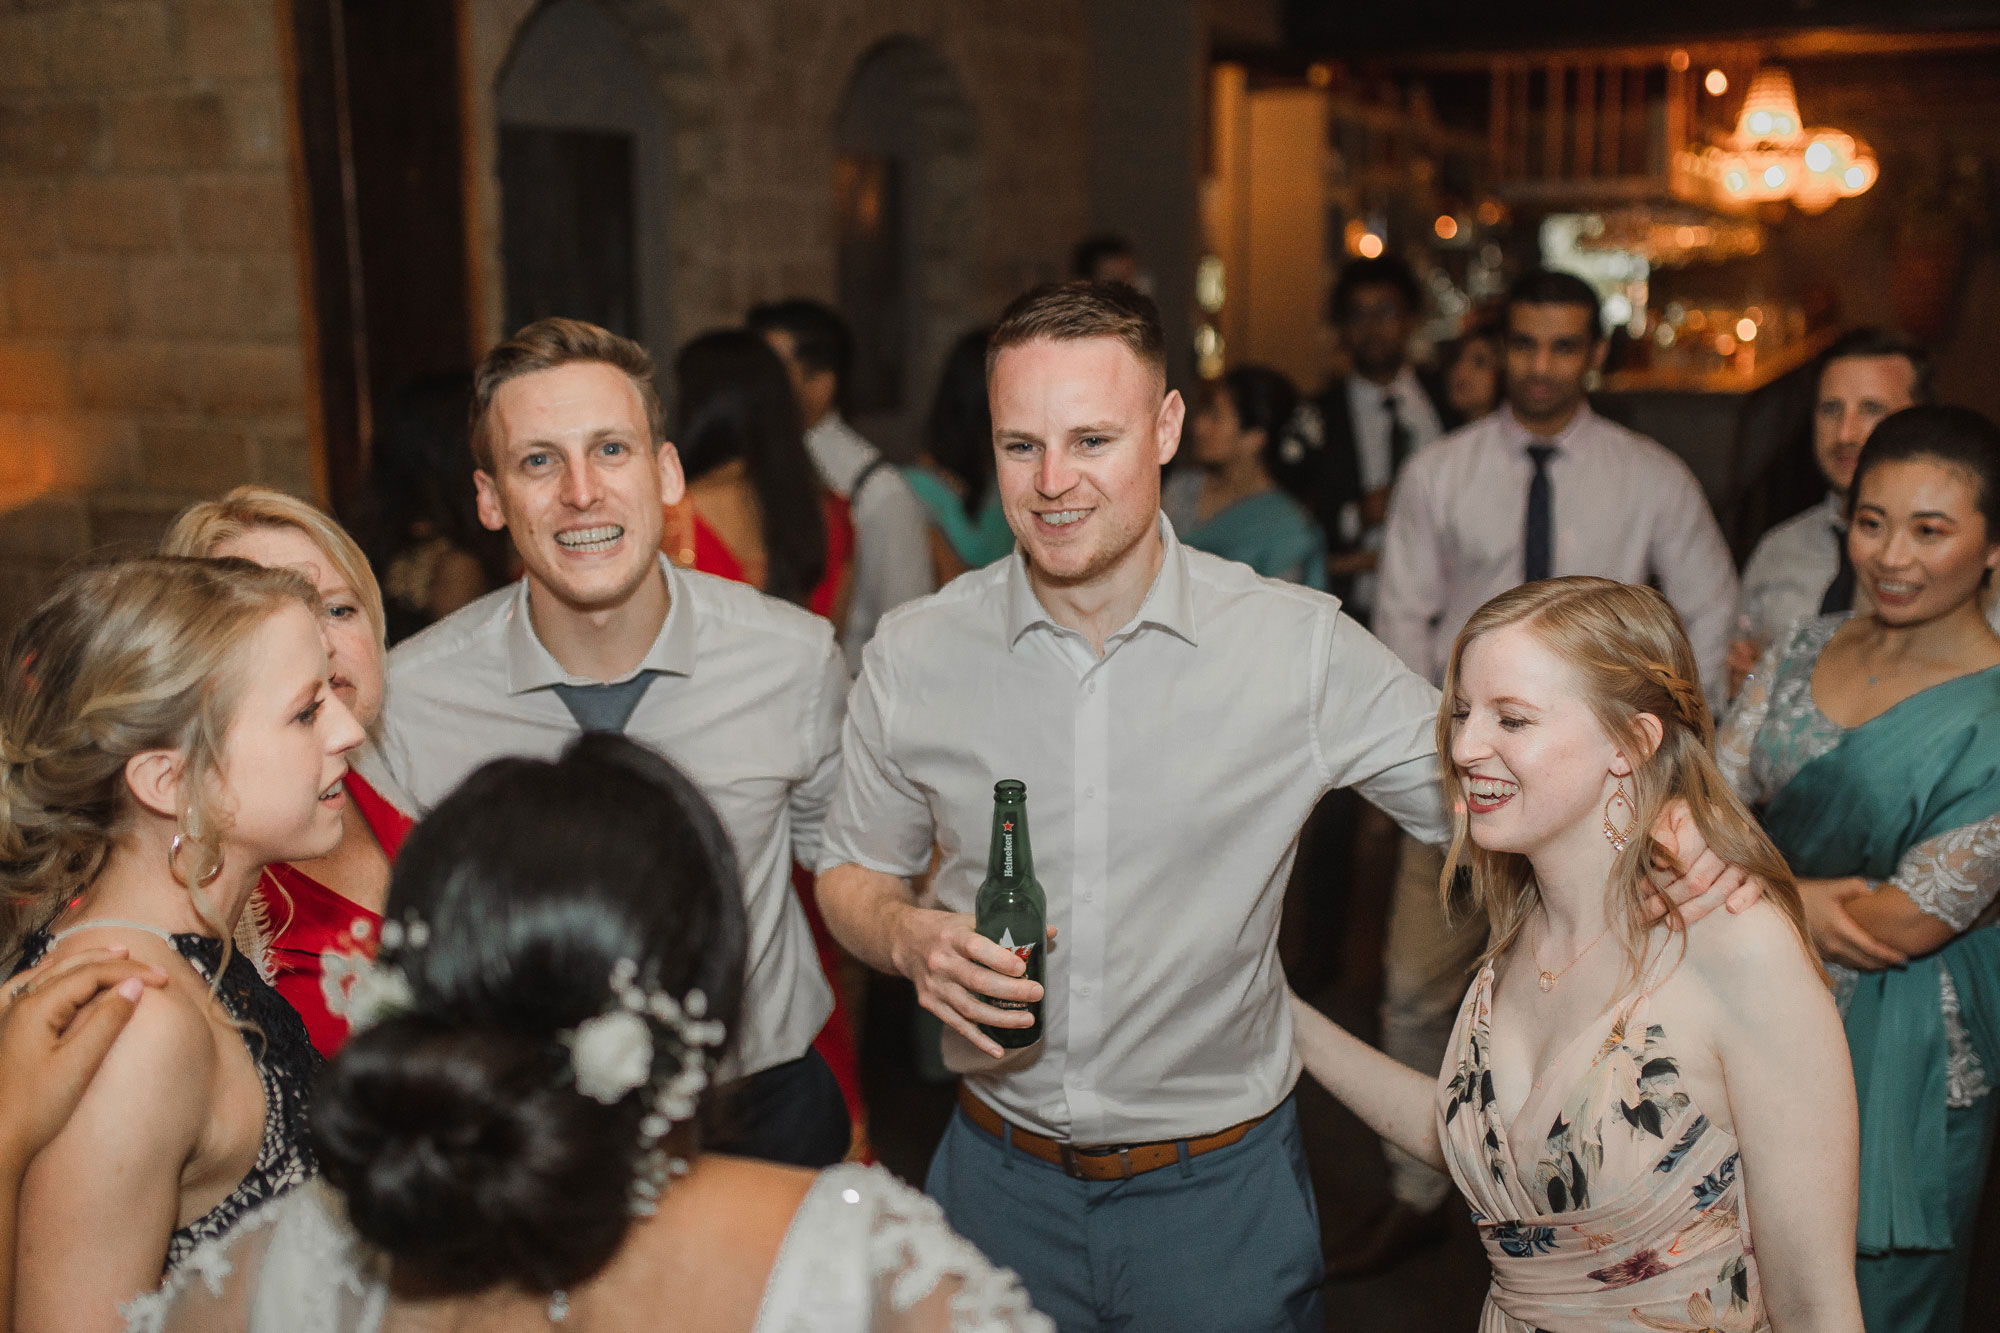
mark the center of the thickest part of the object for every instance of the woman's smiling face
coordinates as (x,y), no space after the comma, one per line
(1533,763)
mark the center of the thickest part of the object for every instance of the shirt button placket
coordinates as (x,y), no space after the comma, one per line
(1087,902)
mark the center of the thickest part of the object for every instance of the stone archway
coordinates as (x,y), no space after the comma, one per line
(905,140)
(665,51)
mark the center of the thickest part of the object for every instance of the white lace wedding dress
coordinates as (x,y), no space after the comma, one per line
(864,1254)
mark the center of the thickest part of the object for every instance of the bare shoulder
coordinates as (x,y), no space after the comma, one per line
(1750,956)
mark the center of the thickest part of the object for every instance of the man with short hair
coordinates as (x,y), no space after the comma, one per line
(1346,447)
(892,558)
(1800,567)
(742,691)
(1174,717)
(1543,487)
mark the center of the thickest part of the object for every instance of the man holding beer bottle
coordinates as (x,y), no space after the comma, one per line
(1174,717)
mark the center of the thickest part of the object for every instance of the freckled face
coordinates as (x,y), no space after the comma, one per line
(1533,764)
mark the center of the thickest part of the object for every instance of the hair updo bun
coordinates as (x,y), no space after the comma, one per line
(456,1128)
(467,1152)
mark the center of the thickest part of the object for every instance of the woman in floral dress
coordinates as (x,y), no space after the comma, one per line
(1652,1119)
(1872,742)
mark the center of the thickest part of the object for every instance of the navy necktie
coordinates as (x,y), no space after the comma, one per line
(1399,435)
(1840,593)
(1538,541)
(604,707)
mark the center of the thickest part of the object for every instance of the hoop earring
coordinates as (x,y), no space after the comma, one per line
(173,864)
(1617,837)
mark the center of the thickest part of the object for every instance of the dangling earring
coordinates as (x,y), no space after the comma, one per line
(173,863)
(1618,837)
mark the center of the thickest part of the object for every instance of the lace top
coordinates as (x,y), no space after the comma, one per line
(860,1256)
(1776,729)
(286,1063)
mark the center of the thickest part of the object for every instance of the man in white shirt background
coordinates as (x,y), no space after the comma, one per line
(1541,488)
(892,557)
(742,691)
(1800,567)
(1174,718)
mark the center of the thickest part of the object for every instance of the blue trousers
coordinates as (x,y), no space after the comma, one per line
(1227,1242)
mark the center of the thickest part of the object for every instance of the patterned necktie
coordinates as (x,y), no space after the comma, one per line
(1399,435)
(605,707)
(1538,541)
(1840,593)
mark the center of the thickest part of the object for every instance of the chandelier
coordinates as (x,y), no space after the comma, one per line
(1771,157)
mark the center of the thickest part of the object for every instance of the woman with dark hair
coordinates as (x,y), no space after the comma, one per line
(754,511)
(1872,743)
(953,475)
(419,522)
(1226,503)
(512,1139)
(1474,369)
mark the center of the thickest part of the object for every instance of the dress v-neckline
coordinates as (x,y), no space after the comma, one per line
(1506,1128)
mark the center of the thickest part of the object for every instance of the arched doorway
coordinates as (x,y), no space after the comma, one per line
(905,143)
(584,165)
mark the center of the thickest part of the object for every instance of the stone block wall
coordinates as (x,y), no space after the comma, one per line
(150,336)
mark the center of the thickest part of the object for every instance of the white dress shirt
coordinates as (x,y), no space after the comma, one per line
(892,531)
(1167,781)
(1623,507)
(1375,459)
(1788,573)
(747,701)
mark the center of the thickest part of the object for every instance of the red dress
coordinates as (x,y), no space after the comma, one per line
(692,543)
(306,919)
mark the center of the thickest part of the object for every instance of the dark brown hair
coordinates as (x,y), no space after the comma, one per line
(546,344)
(1073,311)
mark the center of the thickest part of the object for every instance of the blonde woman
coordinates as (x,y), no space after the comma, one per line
(1653,1121)
(169,730)
(303,910)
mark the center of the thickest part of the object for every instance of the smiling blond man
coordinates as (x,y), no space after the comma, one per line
(743,692)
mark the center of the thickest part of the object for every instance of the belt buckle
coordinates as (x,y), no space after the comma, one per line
(1072,1161)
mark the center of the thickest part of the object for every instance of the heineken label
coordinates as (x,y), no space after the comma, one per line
(1024,952)
(1007,852)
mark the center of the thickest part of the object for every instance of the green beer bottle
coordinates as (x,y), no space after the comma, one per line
(1010,907)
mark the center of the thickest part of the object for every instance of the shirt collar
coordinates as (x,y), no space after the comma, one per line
(531,666)
(1565,439)
(1169,603)
(1403,386)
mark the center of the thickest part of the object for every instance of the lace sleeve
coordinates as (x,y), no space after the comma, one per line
(292,1266)
(1956,875)
(1746,718)
(929,1279)
(865,1253)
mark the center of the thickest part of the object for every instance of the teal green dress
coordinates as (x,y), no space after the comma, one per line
(1911,797)
(1270,532)
(978,541)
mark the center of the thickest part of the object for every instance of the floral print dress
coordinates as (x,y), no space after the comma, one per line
(1631,1213)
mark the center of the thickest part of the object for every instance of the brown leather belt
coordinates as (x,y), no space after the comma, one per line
(1117,1162)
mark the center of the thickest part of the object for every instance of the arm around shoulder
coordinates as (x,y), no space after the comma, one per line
(100,1203)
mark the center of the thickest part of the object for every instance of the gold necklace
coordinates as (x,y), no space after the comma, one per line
(1547,979)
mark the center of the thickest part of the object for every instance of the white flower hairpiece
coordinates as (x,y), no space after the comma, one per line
(610,1055)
